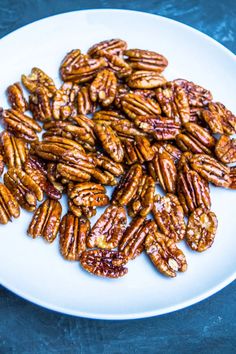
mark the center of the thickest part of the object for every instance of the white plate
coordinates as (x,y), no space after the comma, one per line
(34,269)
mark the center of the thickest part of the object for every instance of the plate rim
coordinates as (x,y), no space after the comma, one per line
(136,315)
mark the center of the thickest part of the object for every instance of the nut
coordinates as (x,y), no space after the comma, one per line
(38,78)
(126,129)
(46,220)
(64,101)
(1,165)
(88,194)
(14,150)
(220,119)
(146,60)
(108,117)
(39,104)
(103,87)
(197,95)
(84,103)
(136,105)
(108,229)
(232,175)
(8,205)
(137,150)
(73,234)
(165,255)
(16,97)
(108,170)
(225,149)
(173,151)
(104,263)
(142,79)
(111,46)
(201,229)
(118,65)
(159,127)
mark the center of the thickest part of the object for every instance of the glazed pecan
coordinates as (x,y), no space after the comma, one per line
(78,171)
(121,91)
(232,175)
(46,220)
(1,164)
(118,65)
(14,150)
(220,119)
(142,203)
(64,101)
(108,229)
(39,104)
(174,102)
(16,97)
(73,234)
(136,105)
(146,60)
(79,68)
(108,117)
(106,170)
(126,130)
(160,128)
(103,87)
(226,149)
(164,254)
(79,211)
(128,185)
(54,177)
(169,216)
(111,46)
(20,125)
(137,150)
(104,263)
(110,141)
(84,103)
(212,170)
(24,189)
(197,95)
(88,194)
(8,205)
(38,78)
(142,79)
(195,139)
(171,149)
(132,243)
(201,229)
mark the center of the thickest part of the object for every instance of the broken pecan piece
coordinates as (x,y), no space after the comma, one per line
(111,46)
(39,104)
(160,128)
(73,234)
(103,87)
(140,59)
(225,149)
(201,229)
(14,150)
(64,101)
(136,105)
(38,78)
(46,220)
(16,97)
(8,205)
(142,79)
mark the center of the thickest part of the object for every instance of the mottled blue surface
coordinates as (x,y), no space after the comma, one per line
(203,328)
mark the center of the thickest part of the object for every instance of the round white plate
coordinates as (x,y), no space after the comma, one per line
(34,269)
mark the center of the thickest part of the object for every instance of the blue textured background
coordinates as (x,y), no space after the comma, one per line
(206,327)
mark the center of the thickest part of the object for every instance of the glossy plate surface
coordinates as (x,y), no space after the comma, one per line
(34,269)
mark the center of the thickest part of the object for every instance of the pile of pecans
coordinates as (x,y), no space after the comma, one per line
(116,121)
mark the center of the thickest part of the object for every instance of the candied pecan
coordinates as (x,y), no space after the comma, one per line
(201,229)
(172,150)
(118,65)
(103,87)
(226,149)
(128,185)
(137,150)
(24,189)
(110,141)
(142,79)
(84,103)
(108,117)
(78,171)
(78,211)
(174,102)
(38,78)
(73,234)
(212,170)
(108,229)
(46,220)
(8,205)
(122,89)
(1,164)
(142,203)
(64,101)
(108,165)
(88,194)
(232,175)
(147,93)
(169,216)
(54,177)
(184,161)
(164,254)
(37,169)
(140,59)
(39,104)
(14,150)
(220,119)
(213,120)
(104,263)
(197,95)
(16,97)
(196,139)
(111,46)
(132,243)
(135,105)
(160,128)
(20,125)
(77,67)
(126,130)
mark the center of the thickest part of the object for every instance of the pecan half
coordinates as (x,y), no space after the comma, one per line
(103,87)
(126,129)
(8,205)
(142,203)
(23,188)
(104,263)
(16,97)
(160,128)
(37,78)
(73,234)
(106,170)
(110,142)
(128,185)
(118,65)
(220,119)
(171,149)
(165,255)
(108,229)
(226,149)
(14,150)
(201,229)
(84,103)
(142,79)
(169,216)
(108,117)
(20,125)
(111,46)
(88,194)
(232,175)
(64,101)
(146,60)
(39,104)
(212,170)
(137,150)
(136,105)
(46,220)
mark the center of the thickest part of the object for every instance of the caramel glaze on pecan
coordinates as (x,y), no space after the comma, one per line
(15,150)
(225,149)
(8,205)
(16,97)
